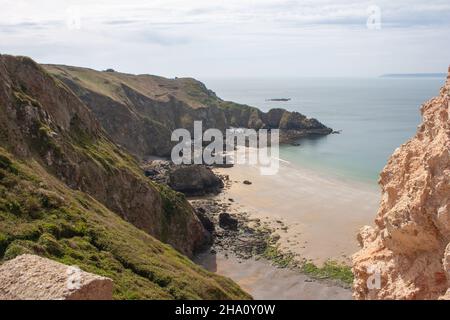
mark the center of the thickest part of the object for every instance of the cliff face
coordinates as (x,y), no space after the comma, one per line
(139,112)
(41,119)
(409,247)
(68,193)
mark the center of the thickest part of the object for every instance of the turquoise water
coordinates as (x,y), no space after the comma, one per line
(375,115)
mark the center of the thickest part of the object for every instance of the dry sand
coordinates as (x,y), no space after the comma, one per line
(322,213)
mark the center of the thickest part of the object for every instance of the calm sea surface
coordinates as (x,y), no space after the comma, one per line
(375,115)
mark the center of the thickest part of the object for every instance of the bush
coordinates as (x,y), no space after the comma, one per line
(51,245)
(20,247)
(3,243)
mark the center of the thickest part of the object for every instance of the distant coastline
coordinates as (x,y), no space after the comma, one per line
(414,75)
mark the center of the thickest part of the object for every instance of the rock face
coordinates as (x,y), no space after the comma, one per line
(29,277)
(41,119)
(409,247)
(139,112)
(68,193)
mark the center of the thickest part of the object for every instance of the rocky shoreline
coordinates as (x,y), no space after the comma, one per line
(232,229)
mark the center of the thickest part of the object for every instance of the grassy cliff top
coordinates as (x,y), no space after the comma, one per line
(108,83)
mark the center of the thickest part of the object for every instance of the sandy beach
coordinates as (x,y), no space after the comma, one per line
(265,281)
(316,216)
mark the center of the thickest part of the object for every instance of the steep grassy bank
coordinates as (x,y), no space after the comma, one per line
(70,193)
(43,120)
(40,215)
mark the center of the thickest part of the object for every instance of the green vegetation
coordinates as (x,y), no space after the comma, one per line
(40,215)
(332,270)
(279,258)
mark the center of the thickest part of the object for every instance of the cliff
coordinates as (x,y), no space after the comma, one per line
(41,119)
(409,247)
(71,194)
(139,112)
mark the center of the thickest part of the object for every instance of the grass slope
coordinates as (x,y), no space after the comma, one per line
(40,215)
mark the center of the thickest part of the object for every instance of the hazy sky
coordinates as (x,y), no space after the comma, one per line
(232,38)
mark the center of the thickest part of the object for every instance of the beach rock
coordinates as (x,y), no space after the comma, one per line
(247,182)
(30,277)
(226,221)
(194,180)
(408,249)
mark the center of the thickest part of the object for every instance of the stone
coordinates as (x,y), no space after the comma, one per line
(247,182)
(30,277)
(194,180)
(226,221)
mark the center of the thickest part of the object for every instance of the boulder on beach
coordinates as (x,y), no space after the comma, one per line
(194,180)
(226,221)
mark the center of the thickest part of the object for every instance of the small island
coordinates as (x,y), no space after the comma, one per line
(279,99)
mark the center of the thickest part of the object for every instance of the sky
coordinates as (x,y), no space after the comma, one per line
(232,38)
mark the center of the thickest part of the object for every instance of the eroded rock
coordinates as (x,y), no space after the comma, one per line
(192,180)
(30,277)
(409,245)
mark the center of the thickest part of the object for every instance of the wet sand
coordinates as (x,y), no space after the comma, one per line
(265,281)
(323,214)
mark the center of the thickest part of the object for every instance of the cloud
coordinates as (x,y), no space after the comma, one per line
(226,37)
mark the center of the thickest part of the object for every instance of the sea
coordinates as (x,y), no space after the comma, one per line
(374,115)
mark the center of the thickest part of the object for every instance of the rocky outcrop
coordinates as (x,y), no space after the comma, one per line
(139,112)
(192,180)
(407,254)
(42,120)
(29,277)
